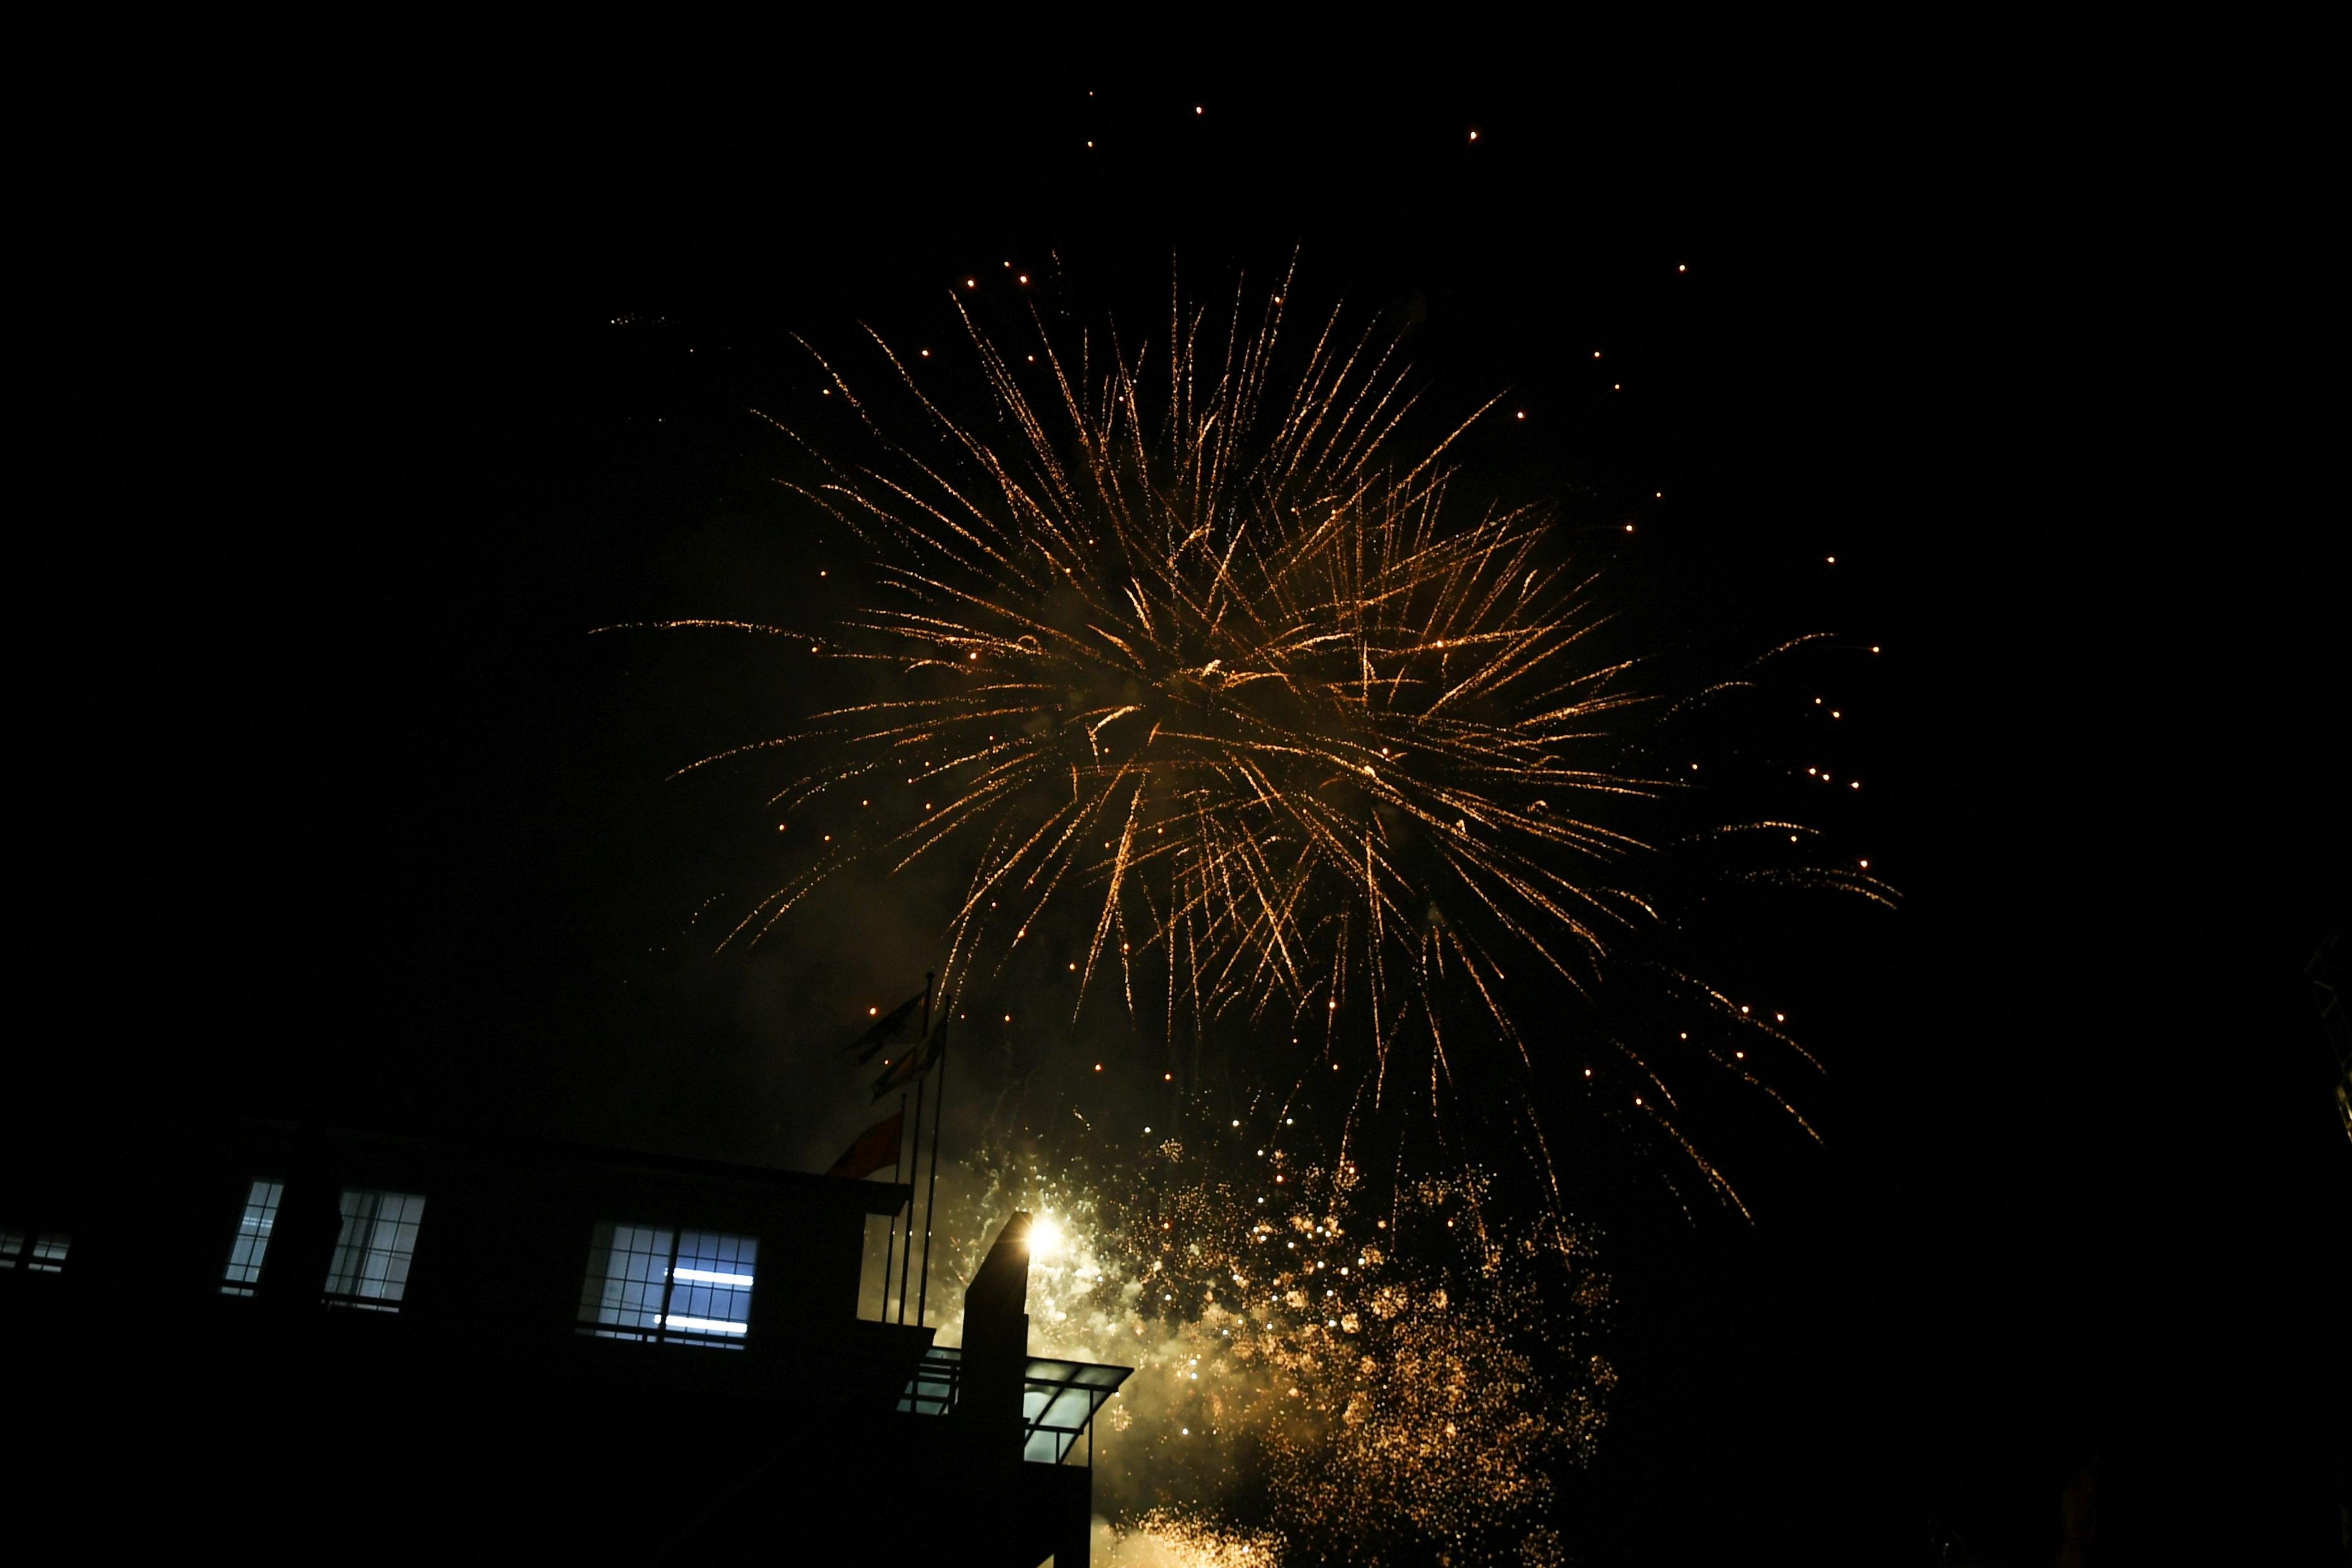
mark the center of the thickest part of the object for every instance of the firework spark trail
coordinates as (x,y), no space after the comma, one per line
(1318,1374)
(1194,649)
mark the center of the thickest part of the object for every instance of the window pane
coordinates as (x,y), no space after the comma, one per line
(371,1255)
(46,1255)
(629,1272)
(711,1297)
(245,1254)
(648,1283)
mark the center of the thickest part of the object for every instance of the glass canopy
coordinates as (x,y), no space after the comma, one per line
(1058,1398)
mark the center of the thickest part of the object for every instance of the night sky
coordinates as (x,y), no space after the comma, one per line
(359,391)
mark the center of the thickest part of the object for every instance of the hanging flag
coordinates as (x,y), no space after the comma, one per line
(876,1147)
(918,1061)
(892,1025)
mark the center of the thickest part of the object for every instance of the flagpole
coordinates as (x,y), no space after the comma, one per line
(931,1200)
(915,1152)
(890,1247)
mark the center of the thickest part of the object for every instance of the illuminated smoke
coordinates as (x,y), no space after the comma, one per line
(1321,1371)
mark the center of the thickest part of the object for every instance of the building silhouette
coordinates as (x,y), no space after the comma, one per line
(339,1344)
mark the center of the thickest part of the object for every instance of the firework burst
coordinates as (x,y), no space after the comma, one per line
(1324,1372)
(1182,648)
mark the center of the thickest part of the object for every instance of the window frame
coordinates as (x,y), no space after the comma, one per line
(240,1277)
(607,1312)
(349,1262)
(33,1250)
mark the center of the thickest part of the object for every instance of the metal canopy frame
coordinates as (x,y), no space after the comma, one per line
(1058,1399)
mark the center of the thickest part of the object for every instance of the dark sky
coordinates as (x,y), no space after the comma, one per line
(337,454)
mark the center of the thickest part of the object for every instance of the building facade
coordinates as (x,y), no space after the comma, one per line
(335,1343)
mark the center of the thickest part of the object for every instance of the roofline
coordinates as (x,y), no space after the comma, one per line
(873,1197)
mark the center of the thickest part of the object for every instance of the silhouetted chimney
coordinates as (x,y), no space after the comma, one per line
(996,1341)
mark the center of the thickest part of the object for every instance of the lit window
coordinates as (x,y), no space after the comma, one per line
(46,1255)
(372,1256)
(686,1287)
(252,1238)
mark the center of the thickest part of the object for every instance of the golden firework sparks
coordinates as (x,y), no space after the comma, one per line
(1318,1367)
(1182,648)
